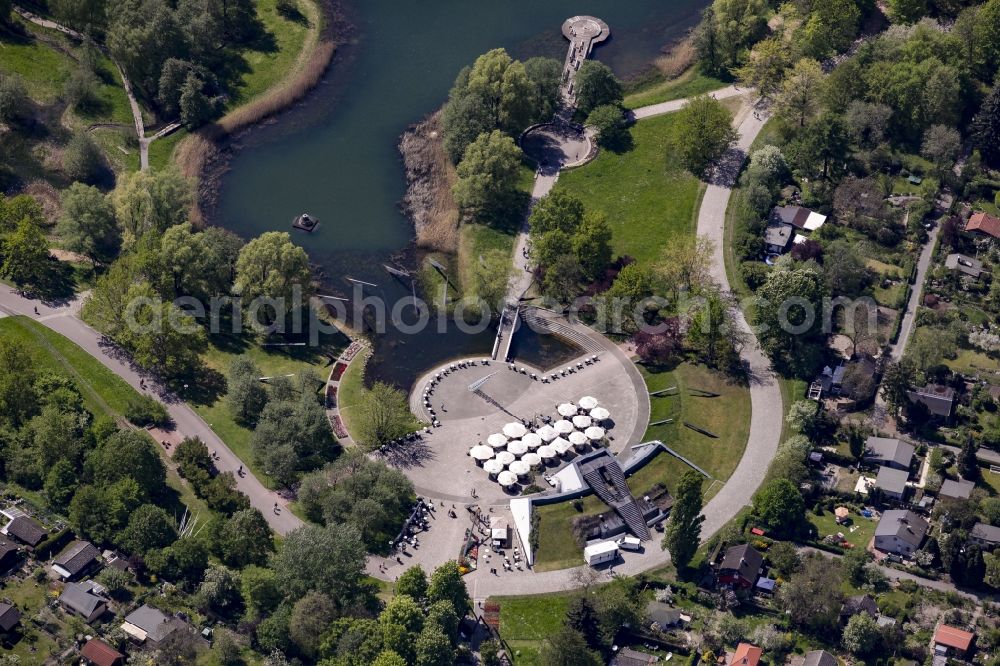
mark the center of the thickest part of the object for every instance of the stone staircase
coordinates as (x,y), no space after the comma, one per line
(563,330)
(616,494)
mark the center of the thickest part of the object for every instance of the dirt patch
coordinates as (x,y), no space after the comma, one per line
(48,197)
(429,178)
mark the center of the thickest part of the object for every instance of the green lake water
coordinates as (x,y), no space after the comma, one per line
(335,155)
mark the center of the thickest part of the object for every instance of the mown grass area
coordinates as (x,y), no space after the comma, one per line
(162,150)
(726,414)
(863,528)
(104,393)
(557,546)
(476,240)
(648,198)
(690,83)
(891,296)
(525,621)
(30,598)
(273,362)
(43,69)
(352,388)
(287,37)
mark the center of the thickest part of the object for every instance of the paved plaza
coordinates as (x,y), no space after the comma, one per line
(440,466)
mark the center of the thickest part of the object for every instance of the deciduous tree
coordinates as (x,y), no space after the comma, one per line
(596,85)
(683,533)
(87,224)
(703,132)
(488,177)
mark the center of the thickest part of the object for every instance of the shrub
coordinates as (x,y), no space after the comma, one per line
(145,411)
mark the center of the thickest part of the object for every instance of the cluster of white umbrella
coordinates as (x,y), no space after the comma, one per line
(514,451)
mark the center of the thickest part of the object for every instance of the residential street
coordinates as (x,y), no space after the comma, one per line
(63,319)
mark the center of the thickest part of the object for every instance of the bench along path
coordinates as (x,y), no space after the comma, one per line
(64,319)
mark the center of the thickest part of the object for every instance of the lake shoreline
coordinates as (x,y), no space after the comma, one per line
(204,155)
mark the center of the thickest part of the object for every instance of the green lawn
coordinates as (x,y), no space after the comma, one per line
(688,84)
(475,241)
(891,296)
(351,388)
(44,69)
(970,361)
(525,621)
(727,415)
(884,269)
(273,362)
(827,524)
(557,547)
(648,199)
(268,67)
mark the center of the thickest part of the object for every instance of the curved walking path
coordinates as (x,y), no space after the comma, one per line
(140,128)
(64,319)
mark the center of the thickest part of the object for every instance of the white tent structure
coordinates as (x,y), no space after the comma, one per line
(514,430)
(546,452)
(506,478)
(505,458)
(493,466)
(517,447)
(547,433)
(594,433)
(497,440)
(532,440)
(481,452)
(577,439)
(561,446)
(564,427)
(588,402)
(581,421)
(520,467)
(566,409)
(600,414)
(532,459)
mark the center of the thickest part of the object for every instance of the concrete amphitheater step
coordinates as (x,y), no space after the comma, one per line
(562,330)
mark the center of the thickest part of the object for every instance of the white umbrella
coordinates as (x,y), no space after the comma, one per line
(514,430)
(493,466)
(566,409)
(561,446)
(496,440)
(532,459)
(581,421)
(563,427)
(546,452)
(505,458)
(588,402)
(600,414)
(506,478)
(532,440)
(481,452)
(517,447)
(547,433)
(577,438)
(594,433)
(520,467)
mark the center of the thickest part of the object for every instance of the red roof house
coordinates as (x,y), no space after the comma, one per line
(99,653)
(746,655)
(984,223)
(953,639)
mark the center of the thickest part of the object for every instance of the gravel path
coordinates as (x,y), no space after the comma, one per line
(64,319)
